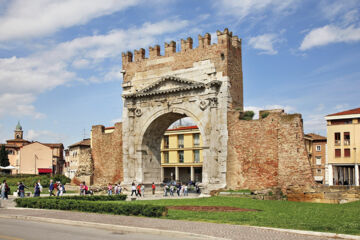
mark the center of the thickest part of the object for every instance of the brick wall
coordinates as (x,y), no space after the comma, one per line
(267,153)
(107,154)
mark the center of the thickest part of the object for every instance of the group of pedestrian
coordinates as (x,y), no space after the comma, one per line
(5,190)
(56,189)
(138,189)
(84,189)
(180,189)
(117,189)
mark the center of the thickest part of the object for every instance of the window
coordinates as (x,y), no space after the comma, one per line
(10,152)
(337,153)
(166,157)
(196,156)
(319,171)
(347,152)
(347,138)
(318,160)
(318,148)
(181,141)
(166,141)
(181,156)
(196,139)
(337,139)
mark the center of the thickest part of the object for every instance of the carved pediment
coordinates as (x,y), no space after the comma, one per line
(165,85)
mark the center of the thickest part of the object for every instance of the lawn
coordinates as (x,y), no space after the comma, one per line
(344,218)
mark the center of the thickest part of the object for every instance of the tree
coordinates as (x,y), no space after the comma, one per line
(4,160)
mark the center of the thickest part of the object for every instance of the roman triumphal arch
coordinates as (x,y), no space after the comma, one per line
(203,83)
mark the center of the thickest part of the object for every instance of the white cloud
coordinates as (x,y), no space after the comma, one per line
(243,8)
(18,105)
(116,120)
(44,136)
(330,34)
(24,19)
(22,79)
(342,107)
(315,123)
(265,43)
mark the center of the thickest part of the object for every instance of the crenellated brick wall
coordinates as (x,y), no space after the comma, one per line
(267,153)
(107,154)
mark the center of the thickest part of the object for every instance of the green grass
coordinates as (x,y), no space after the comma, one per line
(334,218)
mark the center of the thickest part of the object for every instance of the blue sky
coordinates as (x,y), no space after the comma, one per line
(60,60)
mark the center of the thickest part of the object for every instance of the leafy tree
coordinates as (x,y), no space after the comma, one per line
(4,160)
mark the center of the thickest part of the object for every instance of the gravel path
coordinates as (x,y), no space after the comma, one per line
(212,229)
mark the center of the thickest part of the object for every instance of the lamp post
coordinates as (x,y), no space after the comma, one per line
(356,170)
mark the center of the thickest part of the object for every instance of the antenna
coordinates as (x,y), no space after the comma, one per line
(84,136)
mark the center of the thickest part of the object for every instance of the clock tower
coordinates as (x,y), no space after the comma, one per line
(18,131)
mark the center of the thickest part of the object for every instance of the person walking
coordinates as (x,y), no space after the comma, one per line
(4,190)
(116,189)
(133,189)
(165,190)
(51,188)
(153,187)
(186,190)
(58,188)
(178,189)
(172,190)
(110,188)
(61,189)
(143,190)
(36,190)
(138,188)
(22,189)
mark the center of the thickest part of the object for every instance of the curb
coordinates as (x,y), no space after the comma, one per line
(311,233)
(111,227)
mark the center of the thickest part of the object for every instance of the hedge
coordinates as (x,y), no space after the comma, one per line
(30,180)
(120,197)
(147,210)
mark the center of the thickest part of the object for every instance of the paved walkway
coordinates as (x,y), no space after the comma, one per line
(226,231)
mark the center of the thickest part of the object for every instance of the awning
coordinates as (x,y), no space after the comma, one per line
(45,170)
(8,167)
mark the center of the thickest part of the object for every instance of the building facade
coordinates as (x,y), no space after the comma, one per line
(316,148)
(74,155)
(34,157)
(181,155)
(343,137)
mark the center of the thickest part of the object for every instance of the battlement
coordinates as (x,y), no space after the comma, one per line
(223,38)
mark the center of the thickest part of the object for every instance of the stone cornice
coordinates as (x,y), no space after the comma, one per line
(148,90)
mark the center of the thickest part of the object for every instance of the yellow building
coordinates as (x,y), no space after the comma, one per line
(182,155)
(343,148)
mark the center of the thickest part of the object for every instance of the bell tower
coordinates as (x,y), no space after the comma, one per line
(18,131)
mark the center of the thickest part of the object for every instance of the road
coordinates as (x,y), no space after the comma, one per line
(14,229)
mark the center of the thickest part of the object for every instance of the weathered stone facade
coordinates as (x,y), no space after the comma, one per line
(267,153)
(206,84)
(107,153)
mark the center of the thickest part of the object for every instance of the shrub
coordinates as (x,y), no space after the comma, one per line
(120,197)
(264,114)
(247,115)
(86,205)
(29,180)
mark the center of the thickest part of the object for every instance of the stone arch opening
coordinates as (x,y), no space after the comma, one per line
(155,168)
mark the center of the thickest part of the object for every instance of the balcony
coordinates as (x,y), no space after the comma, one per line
(346,142)
(337,142)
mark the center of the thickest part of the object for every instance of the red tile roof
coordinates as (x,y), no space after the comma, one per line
(183,128)
(315,137)
(85,142)
(348,112)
